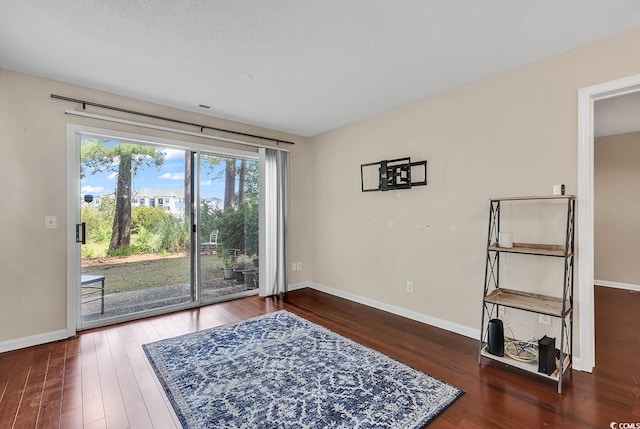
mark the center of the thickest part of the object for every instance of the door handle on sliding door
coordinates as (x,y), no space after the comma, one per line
(81,232)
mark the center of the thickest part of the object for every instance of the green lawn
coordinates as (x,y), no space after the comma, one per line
(129,276)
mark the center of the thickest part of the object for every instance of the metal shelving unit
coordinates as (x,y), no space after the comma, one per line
(558,307)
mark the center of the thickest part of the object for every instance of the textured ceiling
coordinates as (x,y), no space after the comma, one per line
(315,65)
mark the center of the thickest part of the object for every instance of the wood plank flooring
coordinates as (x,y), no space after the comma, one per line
(101,378)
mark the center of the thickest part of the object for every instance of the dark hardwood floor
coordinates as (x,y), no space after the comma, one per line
(101,378)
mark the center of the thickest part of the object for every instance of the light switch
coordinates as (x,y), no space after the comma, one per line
(50,222)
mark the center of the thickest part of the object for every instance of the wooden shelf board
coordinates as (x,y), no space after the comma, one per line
(538,197)
(531,367)
(531,249)
(543,304)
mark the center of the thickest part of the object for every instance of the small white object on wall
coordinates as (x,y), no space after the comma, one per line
(558,189)
(50,222)
(505,239)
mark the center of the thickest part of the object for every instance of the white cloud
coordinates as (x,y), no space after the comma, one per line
(205,183)
(91,189)
(172,176)
(112,176)
(173,154)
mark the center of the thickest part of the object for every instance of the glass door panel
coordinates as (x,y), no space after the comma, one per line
(228,226)
(136,215)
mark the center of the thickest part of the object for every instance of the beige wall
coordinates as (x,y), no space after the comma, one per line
(33,263)
(513,134)
(617,209)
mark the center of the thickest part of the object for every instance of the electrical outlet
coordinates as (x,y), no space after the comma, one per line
(294,267)
(298,266)
(544,319)
(410,286)
(502,311)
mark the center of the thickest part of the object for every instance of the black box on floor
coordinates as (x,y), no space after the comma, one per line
(547,355)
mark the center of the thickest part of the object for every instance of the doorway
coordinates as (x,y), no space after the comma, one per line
(616,181)
(585,210)
(155,218)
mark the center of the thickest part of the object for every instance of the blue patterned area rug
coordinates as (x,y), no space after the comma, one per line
(282,371)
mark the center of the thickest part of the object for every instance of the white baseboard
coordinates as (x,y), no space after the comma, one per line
(617,285)
(297,286)
(577,365)
(62,334)
(423,318)
(429,320)
(33,340)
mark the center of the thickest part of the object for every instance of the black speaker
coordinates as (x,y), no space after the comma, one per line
(547,355)
(495,340)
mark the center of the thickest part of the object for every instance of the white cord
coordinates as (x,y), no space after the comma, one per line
(520,350)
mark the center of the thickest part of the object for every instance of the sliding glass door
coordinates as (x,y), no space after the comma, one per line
(146,246)
(228,225)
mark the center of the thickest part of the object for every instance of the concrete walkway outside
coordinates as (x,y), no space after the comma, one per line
(118,304)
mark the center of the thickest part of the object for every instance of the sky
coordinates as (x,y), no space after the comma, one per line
(170,175)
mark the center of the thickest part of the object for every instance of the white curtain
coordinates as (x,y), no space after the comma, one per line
(274,214)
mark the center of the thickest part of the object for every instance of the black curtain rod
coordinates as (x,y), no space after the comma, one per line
(163,118)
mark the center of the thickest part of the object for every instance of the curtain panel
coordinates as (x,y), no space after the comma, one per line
(274,220)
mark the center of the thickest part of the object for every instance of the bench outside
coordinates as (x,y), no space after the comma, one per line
(89,279)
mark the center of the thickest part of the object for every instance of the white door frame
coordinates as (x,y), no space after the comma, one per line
(585,207)
(73,249)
